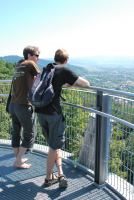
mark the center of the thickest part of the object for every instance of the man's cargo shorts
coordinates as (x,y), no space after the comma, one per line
(53,129)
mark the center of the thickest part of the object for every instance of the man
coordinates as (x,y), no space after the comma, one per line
(20,109)
(51,118)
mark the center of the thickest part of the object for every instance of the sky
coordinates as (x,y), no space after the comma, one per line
(84,28)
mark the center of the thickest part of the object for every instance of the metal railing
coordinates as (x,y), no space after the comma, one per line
(99,134)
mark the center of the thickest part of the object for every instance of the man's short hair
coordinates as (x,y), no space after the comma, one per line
(61,56)
(30,50)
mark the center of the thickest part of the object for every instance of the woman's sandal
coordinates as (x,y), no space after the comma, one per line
(50,182)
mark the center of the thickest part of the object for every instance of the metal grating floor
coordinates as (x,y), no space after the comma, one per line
(26,184)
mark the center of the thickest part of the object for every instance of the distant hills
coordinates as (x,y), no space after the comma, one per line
(89,63)
(100,62)
(12,58)
(15,59)
(43,62)
(86,66)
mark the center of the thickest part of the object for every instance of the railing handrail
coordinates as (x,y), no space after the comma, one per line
(112,91)
(4,81)
(103,114)
(106,90)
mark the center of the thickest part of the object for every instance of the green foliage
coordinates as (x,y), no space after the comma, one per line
(6,70)
(123,110)
(76,121)
(122,152)
(129,155)
(5,121)
(116,162)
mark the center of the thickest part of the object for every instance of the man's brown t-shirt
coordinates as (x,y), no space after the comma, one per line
(22,81)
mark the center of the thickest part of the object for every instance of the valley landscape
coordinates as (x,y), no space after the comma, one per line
(113,73)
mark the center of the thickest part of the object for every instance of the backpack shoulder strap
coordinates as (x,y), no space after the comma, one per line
(47,68)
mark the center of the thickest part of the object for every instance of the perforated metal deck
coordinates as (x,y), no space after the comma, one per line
(26,184)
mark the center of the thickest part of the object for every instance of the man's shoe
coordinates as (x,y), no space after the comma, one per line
(63,181)
(50,182)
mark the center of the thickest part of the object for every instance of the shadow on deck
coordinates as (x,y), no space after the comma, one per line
(25,184)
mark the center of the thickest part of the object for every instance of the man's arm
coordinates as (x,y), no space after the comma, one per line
(81,82)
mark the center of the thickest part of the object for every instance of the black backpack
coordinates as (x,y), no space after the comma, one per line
(41,93)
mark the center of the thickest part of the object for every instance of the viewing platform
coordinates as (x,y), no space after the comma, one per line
(98,155)
(25,184)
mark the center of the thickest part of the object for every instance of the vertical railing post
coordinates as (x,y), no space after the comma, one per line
(106,131)
(102,139)
(98,137)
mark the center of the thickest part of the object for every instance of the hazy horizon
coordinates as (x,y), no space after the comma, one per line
(86,62)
